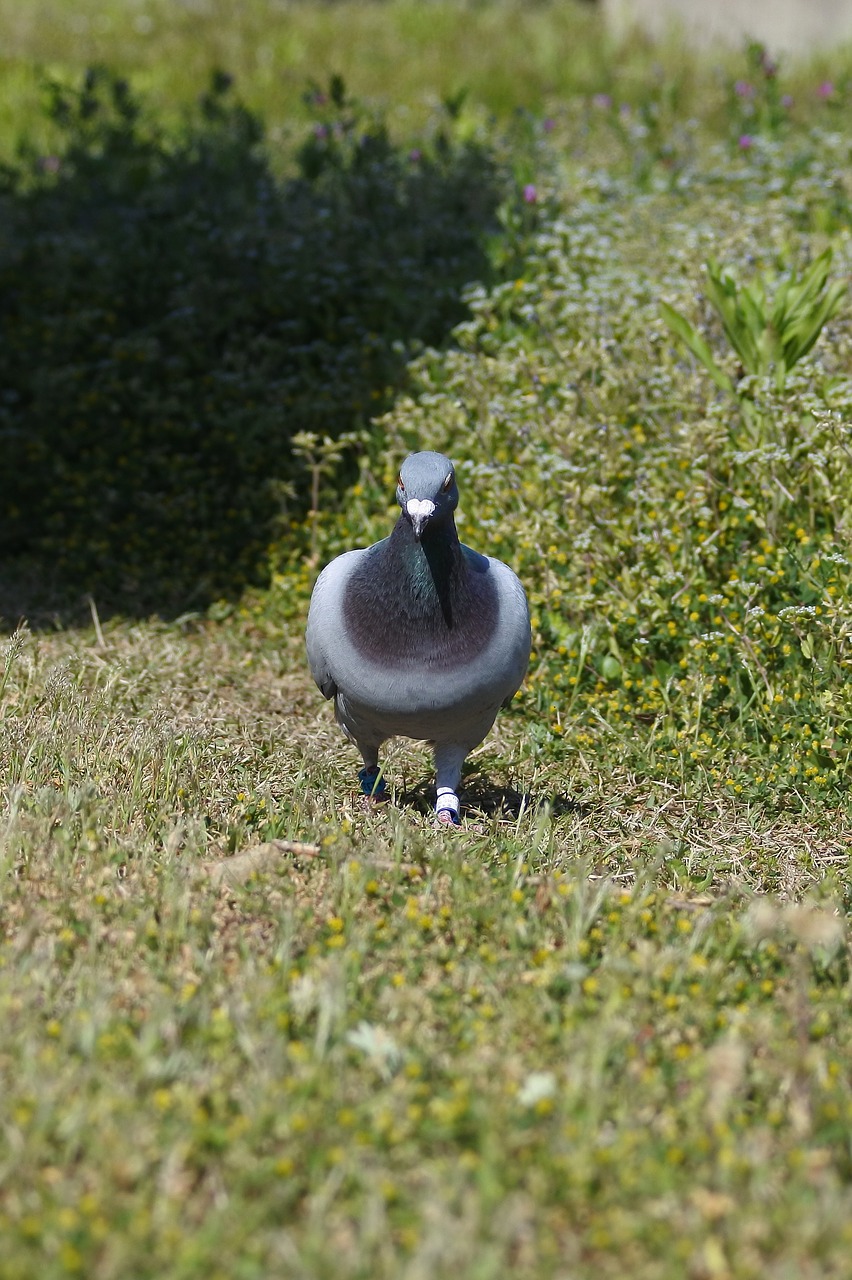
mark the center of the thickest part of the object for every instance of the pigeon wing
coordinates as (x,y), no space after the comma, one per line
(322,635)
(319,616)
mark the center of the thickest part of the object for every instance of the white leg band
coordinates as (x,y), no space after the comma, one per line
(447,799)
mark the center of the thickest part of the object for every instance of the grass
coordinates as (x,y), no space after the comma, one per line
(578,1032)
(406,55)
(253,1027)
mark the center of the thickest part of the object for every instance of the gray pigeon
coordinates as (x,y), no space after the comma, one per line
(418,636)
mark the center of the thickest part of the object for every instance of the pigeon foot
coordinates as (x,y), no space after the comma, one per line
(447,805)
(369,804)
(372,783)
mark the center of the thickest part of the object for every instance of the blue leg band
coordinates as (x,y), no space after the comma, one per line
(372,782)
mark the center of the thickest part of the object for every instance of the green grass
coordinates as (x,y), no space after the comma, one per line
(252,1026)
(566,1036)
(406,54)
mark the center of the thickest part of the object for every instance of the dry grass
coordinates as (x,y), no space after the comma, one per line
(575,1031)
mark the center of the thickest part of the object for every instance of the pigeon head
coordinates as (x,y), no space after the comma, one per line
(426,490)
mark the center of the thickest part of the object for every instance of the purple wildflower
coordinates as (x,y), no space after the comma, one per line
(602,100)
(745,141)
(826,89)
(530,194)
(548,125)
(743,89)
(415,154)
(320,131)
(786,101)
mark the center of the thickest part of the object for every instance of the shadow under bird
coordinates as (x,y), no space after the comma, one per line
(418,636)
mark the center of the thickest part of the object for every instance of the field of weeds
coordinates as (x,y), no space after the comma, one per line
(251,1027)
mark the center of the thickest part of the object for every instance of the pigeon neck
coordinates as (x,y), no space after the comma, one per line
(427,606)
(433,566)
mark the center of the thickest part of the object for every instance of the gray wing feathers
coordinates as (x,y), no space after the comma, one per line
(315,637)
(322,636)
(517,636)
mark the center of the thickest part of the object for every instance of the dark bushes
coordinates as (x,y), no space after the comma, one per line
(171,314)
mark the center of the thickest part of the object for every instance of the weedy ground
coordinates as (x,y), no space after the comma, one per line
(253,1027)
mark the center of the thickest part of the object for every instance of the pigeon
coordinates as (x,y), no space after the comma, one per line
(418,636)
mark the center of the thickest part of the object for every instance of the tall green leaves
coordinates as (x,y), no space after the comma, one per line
(770,323)
(682,329)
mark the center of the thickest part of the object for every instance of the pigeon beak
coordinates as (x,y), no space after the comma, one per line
(419,511)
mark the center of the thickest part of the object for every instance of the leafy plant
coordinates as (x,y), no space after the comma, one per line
(172,314)
(770,324)
(756,104)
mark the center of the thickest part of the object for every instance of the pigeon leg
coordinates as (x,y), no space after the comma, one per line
(370,777)
(448,767)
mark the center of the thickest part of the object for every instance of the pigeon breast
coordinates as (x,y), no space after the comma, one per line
(420,606)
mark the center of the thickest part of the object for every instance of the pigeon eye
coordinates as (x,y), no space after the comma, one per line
(399,482)
(448,482)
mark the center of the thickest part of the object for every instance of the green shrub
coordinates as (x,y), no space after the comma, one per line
(688,563)
(172,314)
(769,336)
